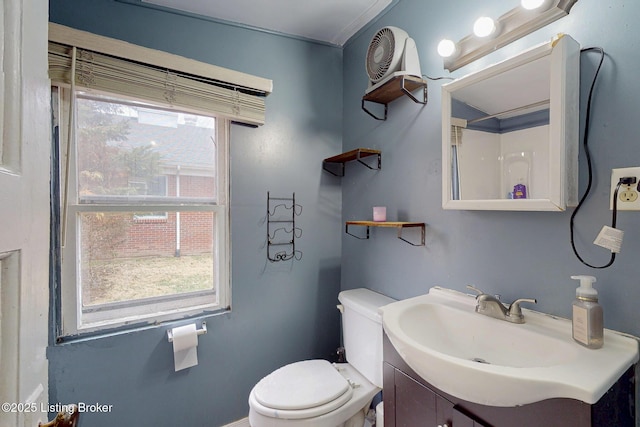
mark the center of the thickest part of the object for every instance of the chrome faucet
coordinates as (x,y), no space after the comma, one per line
(491,306)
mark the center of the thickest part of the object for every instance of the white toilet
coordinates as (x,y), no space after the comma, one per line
(320,394)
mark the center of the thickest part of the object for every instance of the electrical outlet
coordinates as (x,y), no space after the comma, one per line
(628,199)
(628,196)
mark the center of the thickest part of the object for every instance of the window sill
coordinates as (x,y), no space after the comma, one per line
(139,326)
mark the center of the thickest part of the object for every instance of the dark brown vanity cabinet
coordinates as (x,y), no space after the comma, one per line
(409,401)
(414,404)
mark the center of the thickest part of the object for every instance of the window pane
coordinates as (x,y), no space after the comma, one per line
(125,257)
(126,149)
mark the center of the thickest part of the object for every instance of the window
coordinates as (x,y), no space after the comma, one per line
(141,179)
(147,214)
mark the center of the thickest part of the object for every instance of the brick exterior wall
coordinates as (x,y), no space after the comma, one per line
(153,237)
(125,235)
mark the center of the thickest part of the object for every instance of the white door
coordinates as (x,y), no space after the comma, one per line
(24,211)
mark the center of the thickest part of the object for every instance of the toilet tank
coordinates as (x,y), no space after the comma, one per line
(362,331)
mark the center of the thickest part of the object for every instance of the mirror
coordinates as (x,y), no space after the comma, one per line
(510,132)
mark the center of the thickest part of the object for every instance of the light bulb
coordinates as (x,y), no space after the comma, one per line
(531,4)
(484,27)
(446,48)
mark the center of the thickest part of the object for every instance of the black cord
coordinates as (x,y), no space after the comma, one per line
(438,78)
(585,143)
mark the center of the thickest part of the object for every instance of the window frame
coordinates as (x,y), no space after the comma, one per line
(107,317)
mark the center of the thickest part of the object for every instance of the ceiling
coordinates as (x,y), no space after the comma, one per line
(327,21)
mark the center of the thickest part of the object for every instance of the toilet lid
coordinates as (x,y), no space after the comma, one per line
(301,385)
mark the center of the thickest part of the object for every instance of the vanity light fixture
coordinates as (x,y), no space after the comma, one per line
(484,27)
(446,48)
(528,17)
(533,4)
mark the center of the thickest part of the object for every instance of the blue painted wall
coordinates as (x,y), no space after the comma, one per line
(285,312)
(515,254)
(282,312)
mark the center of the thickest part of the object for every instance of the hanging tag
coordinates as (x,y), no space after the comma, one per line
(610,238)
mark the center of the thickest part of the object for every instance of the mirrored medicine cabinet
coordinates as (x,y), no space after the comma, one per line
(510,132)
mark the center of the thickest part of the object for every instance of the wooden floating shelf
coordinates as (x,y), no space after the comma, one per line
(399,225)
(393,224)
(393,89)
(357,155)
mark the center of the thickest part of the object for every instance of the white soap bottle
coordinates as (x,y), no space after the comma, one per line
(588,326)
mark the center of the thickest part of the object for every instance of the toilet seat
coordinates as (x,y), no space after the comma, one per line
(301,390)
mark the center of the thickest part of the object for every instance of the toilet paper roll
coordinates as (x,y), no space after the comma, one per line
(185,346)
(380,415)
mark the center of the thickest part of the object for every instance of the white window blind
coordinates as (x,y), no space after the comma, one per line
(108,65)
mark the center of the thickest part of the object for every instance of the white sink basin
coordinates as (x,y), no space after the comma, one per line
(493,362)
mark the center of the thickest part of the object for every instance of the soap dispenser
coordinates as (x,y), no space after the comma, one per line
(588,327)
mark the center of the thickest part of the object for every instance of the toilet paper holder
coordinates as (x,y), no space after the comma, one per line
(201,331)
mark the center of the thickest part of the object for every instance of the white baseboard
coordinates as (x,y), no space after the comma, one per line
(240,423)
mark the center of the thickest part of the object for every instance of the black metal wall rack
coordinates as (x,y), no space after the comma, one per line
(281,228)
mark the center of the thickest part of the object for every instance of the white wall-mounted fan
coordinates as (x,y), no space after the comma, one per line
(391,53)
